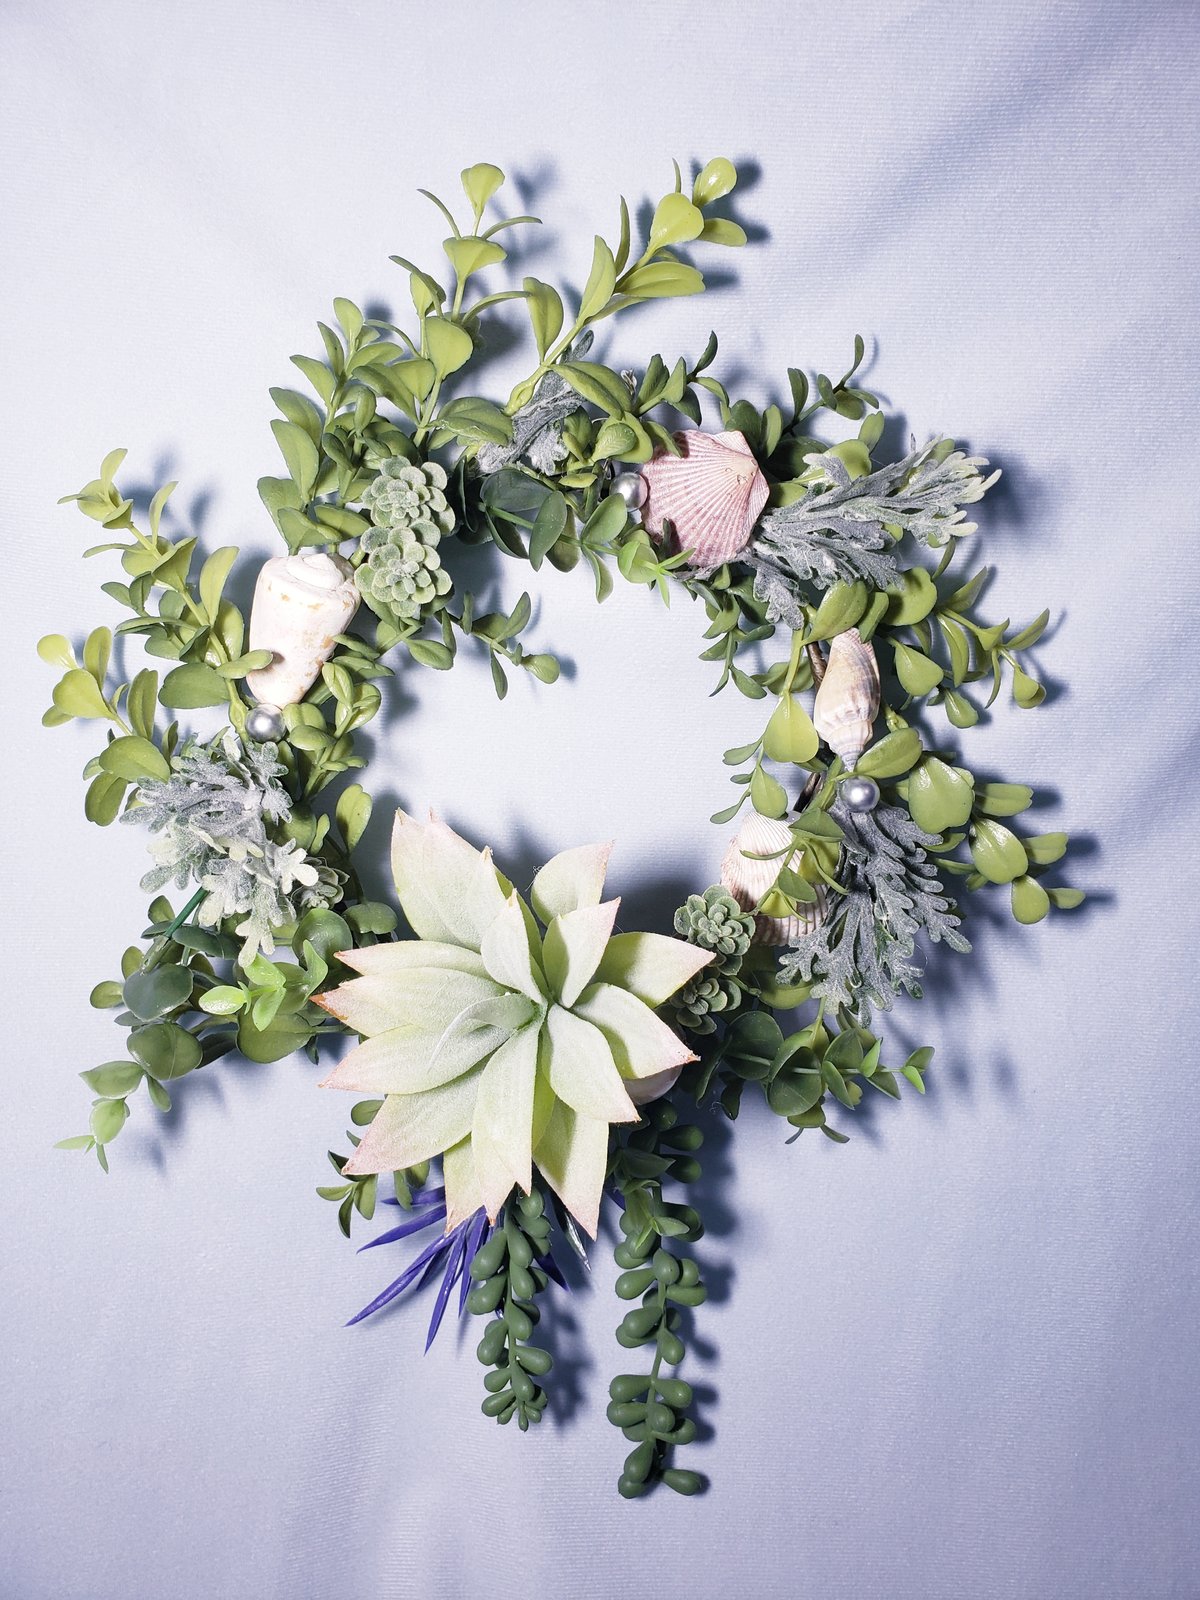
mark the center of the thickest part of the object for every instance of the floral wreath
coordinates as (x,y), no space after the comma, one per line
(529,1066)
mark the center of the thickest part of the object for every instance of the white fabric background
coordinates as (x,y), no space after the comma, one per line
(956,1357)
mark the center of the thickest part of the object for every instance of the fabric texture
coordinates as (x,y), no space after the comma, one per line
(956,1357)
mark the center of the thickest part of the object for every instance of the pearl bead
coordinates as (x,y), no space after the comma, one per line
(631,487)
(860,794)
(265,723)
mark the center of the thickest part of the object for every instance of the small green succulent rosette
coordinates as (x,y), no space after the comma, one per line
(506,1034)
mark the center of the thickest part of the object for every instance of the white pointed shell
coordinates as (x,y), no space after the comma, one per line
(713,494)
(748,879)
(301,603)
(847,701)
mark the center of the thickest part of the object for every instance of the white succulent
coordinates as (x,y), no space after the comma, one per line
(497,1045)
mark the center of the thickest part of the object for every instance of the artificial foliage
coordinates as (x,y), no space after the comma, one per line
(535,1073)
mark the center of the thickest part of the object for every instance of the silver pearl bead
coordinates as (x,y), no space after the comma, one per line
(860,794)
(631,487)
(265,723)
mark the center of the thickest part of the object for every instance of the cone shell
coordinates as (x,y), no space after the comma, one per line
(713,494)
(847,701)
(748,879)
(301,603)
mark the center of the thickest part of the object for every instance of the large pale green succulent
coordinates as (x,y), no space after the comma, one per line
(495,1044)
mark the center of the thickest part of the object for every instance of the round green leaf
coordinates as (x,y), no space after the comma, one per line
(78,695)
(55,651)
(108,1118)
(114,1079)
(223,1001)
(913,599)
(447,345)
(997,852)
(890,756)
(916,672)
(1030,902)
(285,1035)
(676,220)
(328,933)
(715,179)
(790,734)
(184,688)
(132,757)
(939,797)
(767,796)
(152,994)
(165,1050)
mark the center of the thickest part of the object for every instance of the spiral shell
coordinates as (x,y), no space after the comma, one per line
(712,493)
(847,701)
(301,602)
(749,879)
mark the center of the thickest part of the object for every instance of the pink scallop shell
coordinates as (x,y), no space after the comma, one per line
(713,494)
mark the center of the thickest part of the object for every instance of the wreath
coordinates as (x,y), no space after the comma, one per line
(528,1064)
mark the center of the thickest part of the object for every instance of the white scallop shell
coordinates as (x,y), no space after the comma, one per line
(301,602)
(847,701)
(712,493)
(748,878)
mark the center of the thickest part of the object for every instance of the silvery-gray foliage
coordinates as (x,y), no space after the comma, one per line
(862,954)
(839,531)
(209,823)
(537,429)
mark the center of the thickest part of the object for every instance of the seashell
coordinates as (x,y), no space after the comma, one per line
(748,879)
(301,603)
(847,701)
(713,494)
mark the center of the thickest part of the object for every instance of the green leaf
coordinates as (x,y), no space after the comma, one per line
(714,181)
(767,795)
(103,799)
(480,183)
(939,796)
(142,702)
(997,852)
(1030,635)
(1045,848)
(1003,799)
(192,685)
(551,522)
(597,384)
(890,756)
(224,1000)
(959,710)
(914,599)
(840,609)
(353,812)
(133,757)
(470,254)
(431,653)
(213,574)
(790,734)
(1030,902)
(152,994)
(1067,899)
(601,280)
(108,1118)
(78,1141)
(545,312)
(78,695)
(105,995)
(676,221)
(447,345)
(286,1034)
(114,1079)
(1027,691)
(97,649)
(55,651)
(916,672)
(299,453)
(659,280)
(165,1050)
